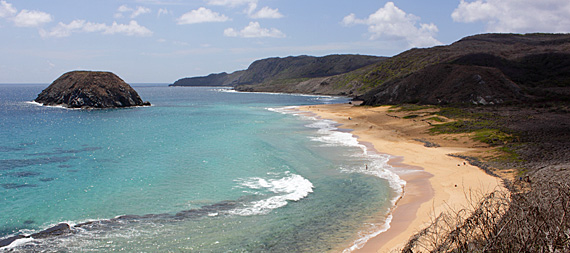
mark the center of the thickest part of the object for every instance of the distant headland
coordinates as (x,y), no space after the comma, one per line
(483,69)
(90,89)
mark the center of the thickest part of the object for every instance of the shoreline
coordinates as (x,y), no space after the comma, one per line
(435,181)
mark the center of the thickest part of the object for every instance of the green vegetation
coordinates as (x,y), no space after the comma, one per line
(400,66)
(463,126)
(486,131)
(437,119)
(293,67)
(484,126)
(457,113)
(411,107)
(454,127)
(411,116)
(287,81)
(522,171)
(492,137)
(509,155)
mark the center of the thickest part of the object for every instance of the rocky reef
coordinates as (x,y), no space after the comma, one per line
(90,89)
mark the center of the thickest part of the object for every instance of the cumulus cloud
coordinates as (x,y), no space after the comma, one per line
(65,30)
(201,15)
(131,29)
(390,22)
(516,15)
(134,12)
(6,10)
(139,11)
(254,30)
(24,18)
(28,18)
(264,12)
(124,8)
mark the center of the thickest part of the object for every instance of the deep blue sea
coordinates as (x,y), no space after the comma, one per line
(202,169)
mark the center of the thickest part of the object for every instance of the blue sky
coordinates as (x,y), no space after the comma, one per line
(160,41)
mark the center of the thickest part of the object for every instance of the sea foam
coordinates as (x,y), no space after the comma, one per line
(289,187)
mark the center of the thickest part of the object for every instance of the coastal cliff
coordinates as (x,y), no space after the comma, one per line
(220,79)
(481,69)
(294,74)
(90,89)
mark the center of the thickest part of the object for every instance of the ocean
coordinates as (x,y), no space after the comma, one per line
(203,169)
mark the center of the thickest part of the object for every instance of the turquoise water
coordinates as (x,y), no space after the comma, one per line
(203,169)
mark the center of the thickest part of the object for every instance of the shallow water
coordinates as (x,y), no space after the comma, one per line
(203,169)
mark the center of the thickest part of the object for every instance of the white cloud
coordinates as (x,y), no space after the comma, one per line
(65,30)
(390,22)
(158,2)
(132,29)
(351,20)
(6,10)
(519,16)
(266,12)
(25,18)
(471,12)
(124,8)
(201,15)
(28,18)
(94,27)
(230,32)
(134,12)
(230,3)
(163,11)
(139,11)
(254,30)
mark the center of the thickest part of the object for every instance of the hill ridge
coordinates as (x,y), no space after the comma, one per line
(538,64)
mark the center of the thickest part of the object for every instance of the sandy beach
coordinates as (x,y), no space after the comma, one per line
(436,182)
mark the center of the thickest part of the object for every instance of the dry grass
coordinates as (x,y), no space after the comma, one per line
(533,219)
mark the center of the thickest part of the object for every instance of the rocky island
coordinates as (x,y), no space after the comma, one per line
(90,89)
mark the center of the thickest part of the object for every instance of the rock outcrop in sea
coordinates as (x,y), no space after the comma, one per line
(90,89)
